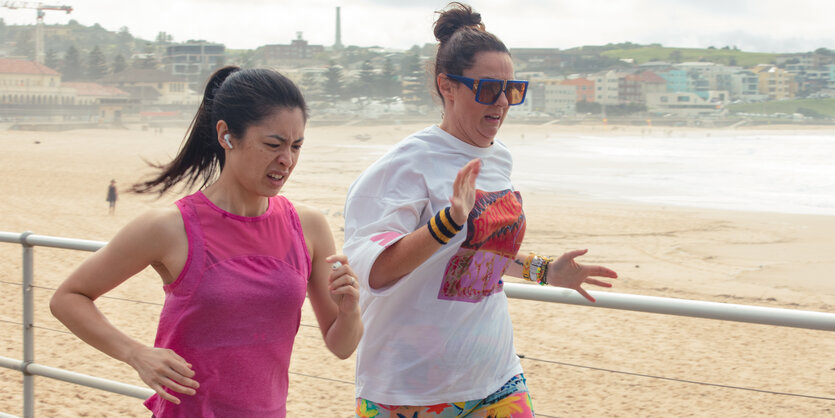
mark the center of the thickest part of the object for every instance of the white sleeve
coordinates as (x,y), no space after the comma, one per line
(385,204)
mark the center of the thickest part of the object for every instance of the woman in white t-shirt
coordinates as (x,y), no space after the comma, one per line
(430,241)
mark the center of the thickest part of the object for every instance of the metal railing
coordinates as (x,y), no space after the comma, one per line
(668,306)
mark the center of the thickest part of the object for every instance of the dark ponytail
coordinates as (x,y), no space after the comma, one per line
(461,35)
(241,98)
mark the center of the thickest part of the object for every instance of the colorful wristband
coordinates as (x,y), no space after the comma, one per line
(526,267)
(542,272)
(442,227)
(535,268)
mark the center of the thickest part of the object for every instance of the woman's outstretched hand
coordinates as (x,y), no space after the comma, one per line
(565,272)
(463,192)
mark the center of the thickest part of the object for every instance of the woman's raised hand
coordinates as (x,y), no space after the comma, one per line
(343,284)
(463,192)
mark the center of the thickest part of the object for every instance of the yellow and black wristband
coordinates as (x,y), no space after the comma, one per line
(442,227)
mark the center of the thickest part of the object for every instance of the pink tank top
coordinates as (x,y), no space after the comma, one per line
(234,310)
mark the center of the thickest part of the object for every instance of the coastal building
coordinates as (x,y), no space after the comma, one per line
(745,86)
(687,104)
(153,87)
(607,85)
(298,52)
(676,80)
(633,88)
(25,82)
(87,93)
(775,82)
(585,88)
(32,91)
(194,61)
(560,99)
(655,66)
(546,97)
(111,103)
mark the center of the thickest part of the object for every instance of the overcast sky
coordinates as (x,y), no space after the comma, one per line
(751,25)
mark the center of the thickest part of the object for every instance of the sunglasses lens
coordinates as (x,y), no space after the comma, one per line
(515,92)
(488,91)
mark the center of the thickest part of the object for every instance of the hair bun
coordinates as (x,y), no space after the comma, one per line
(455,17)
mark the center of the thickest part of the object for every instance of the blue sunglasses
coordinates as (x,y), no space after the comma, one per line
(487,90)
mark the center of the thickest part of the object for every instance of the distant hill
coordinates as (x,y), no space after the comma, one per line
(19,40)
(726,55)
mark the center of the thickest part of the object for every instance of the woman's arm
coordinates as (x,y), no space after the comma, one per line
(565,272)
(405,255)
(156,238)
(333,291)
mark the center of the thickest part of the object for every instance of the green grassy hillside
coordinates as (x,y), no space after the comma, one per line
(722,56)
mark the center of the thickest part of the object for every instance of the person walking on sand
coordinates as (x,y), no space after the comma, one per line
(112,196)
(430,242)
(236,261)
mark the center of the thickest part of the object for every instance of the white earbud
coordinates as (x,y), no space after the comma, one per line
(228,142)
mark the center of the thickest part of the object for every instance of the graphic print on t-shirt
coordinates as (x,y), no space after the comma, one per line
(495,229)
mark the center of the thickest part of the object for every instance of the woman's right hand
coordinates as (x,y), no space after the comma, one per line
(162,368)
(463,192)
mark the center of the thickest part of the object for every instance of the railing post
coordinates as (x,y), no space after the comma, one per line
(28,331)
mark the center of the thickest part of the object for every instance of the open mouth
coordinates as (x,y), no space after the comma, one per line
(276,177)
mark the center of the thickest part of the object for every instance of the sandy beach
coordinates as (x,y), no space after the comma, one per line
(579,361)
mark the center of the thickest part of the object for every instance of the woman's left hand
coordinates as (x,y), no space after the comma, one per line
(343,284)
(565,272)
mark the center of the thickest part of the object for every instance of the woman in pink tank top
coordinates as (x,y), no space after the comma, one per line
(236,261)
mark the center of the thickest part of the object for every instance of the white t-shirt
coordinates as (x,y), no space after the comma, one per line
(441,333)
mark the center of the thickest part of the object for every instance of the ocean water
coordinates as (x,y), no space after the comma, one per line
(785,172)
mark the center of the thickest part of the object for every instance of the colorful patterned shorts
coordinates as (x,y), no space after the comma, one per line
(511,401)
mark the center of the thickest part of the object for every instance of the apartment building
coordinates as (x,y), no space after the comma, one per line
(677,80)
(633,88)
(775,82)
(607,88)
(194,61)
(585,88)
(298,52)
(550,95)
(745,86)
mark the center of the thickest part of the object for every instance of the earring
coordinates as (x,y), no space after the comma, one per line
(228,142)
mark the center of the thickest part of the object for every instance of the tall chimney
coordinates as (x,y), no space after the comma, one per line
(338,43)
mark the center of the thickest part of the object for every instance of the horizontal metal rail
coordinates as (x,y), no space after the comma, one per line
(669,306)
(683,307)
(33,240)
(77,378)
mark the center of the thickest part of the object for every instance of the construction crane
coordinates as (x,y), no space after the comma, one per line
(40,7)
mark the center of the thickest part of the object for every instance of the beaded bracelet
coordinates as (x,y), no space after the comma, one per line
(542,270)
(538,266)
(442,227)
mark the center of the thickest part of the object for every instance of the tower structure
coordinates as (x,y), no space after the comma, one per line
(338,43)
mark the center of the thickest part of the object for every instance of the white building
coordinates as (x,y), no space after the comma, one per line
(687,104)
(606,87)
